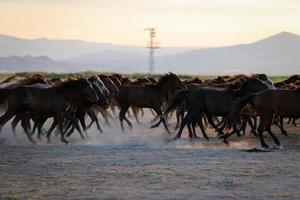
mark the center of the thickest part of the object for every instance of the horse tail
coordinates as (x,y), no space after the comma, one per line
(176,101)
(237,107)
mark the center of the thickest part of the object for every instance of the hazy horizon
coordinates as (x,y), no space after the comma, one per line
(180,23)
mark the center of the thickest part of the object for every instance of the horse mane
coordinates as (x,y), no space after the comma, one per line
(55,81)
(152,80)
(114,79)
(263,77)
(291,79)
(72,83)
(125,80)
(12,78)
(102,76)
(118,76)
(238,84)
(164,78)
(194,80)
(35,78)
(236,80)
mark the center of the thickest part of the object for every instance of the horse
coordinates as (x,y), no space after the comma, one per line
(212,101)
(54,101)
(148,96)
(267,104)
(84,106)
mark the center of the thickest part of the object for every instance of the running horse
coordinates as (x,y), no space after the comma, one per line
(147,96)
(54,101)
(268,104)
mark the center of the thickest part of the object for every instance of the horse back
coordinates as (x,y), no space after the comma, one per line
(281,102)
(140,96)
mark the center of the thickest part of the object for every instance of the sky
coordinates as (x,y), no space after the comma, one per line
(199,23)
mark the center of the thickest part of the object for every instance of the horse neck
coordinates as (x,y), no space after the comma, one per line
(65,91)
(164,88)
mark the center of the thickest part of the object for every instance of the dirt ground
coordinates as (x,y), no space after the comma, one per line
(144,164)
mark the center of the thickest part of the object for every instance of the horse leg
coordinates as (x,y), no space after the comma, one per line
(128,122)
(142,112)
(156,124)
(74,120)
(68,127)
(280,125)
(211,122)
(182,125)
(94,117)
(153,113)
(106,115)
(269,131)
(194,122)
(135,111)
(261,128)
(244,125)
(54,124)
(122,114)
(191,133)
(59,118)
(252,125)
(25,123)
(200,123)
(5,118)
(89,125)
(82,122)
(294,121)
(14,124)
(159,113)
(178,117)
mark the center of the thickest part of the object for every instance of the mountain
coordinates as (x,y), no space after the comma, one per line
(278,55)
(66,49)
(29,63)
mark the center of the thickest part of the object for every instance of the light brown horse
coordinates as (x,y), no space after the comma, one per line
(268,103)
(149,96)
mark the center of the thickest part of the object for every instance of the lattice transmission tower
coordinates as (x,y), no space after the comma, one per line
(152,45)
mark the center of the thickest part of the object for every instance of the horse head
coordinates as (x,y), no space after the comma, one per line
(172,81)
(264,78)
(87,90)
(95,79)
(101,90)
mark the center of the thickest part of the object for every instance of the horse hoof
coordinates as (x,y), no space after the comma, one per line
(285,133)
(264,145)
(225,141)
(221,137)
(65,141)
(153,126)
(176,138)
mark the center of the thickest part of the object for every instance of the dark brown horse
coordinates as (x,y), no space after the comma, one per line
(53,101)
(149,96)
(212,101)
(268,103)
